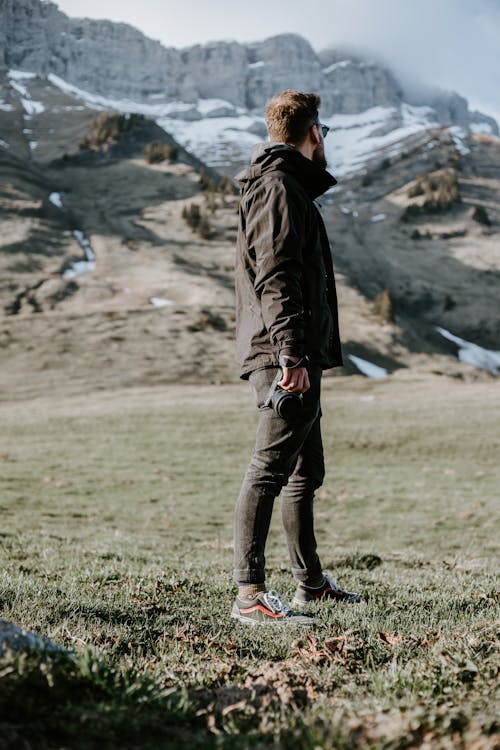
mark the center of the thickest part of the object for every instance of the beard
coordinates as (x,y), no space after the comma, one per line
(319,157)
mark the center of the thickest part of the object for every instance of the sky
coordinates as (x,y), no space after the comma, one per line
(453,44)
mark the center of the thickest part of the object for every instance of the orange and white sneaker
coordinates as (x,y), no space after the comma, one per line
(328,590)
(268,607)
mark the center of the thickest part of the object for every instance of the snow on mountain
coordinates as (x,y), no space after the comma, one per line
(472,354)
(368,368)
(221,134)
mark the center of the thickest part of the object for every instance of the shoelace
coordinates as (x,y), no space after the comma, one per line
(276,602)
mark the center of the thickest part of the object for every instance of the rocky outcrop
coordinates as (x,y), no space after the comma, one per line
(450,108)
(108,58)
(356,86)
(117,61)
(285,61)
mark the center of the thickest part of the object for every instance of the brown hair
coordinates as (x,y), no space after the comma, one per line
(290,114)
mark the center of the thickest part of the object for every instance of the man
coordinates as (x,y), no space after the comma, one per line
(287,323)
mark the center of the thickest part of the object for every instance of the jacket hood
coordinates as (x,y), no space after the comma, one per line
(274,157)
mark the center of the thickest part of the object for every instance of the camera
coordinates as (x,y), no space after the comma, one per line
(287,405)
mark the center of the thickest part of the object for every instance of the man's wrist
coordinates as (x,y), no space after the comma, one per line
(291,362)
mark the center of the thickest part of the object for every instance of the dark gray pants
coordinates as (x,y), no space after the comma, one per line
(288,455)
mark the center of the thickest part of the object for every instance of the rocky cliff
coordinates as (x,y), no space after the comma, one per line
(116,60)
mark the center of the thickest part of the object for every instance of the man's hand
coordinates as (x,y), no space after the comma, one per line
(295,379)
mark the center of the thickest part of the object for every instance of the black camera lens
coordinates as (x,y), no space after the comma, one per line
(287,405)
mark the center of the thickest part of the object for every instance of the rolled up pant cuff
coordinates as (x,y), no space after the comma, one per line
(248,576)
(303,576)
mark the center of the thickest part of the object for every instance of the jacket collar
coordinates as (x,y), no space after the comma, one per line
(270,157)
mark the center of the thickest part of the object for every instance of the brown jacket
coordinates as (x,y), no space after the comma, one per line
(286,300)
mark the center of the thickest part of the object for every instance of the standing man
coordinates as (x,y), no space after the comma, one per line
(287,333)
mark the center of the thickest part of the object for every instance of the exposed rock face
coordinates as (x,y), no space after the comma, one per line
(286,61)
(104,57)
(213,71)
(450,108)
(117,61)
(355,86)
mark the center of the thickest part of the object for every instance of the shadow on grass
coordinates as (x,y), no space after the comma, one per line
(52,700)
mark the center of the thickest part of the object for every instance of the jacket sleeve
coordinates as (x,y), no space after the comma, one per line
(275,231)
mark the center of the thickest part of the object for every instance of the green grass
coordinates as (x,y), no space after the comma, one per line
(116,529)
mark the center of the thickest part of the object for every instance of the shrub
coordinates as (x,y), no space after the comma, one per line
(415,189)
(439,190)
(107,129)
(226,186)
(206,182)
(158,151)
(382,305)
(192,215)
(204,229)
(198,222)
(211,201)
(481,216)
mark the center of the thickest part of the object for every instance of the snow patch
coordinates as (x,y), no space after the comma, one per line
(19,88)
(458,135)
(334,66)
(423,115)
(481,127)
(258,64)
(217,140)
(161,302)
(80,267)
(6,107)
(353,142)
(206,106)
(368,368)
(33,145)
(4,144)
(472,354)
(378,217)
(31,107)
(55,198)
(20,75)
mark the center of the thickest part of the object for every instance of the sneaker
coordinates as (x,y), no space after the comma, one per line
(329,590)
(267,607)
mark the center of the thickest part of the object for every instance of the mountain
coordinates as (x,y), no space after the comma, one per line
(117,61)
(117,231)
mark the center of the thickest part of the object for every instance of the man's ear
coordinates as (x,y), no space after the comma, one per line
(315,137)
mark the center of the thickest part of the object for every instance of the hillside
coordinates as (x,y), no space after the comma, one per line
(118,231)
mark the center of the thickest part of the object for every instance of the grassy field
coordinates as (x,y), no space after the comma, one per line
(116,528)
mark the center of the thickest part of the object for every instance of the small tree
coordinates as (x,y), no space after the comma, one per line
(158,151)
(198,222)
(382,304)
(481,216)
(192,215)
(206,182)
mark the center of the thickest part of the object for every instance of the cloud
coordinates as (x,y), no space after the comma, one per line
(450,43)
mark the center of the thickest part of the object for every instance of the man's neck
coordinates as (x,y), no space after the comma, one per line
(306,149)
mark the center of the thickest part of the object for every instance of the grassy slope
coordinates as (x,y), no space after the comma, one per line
(116,541)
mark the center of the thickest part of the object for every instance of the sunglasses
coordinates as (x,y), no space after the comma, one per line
(324,128)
